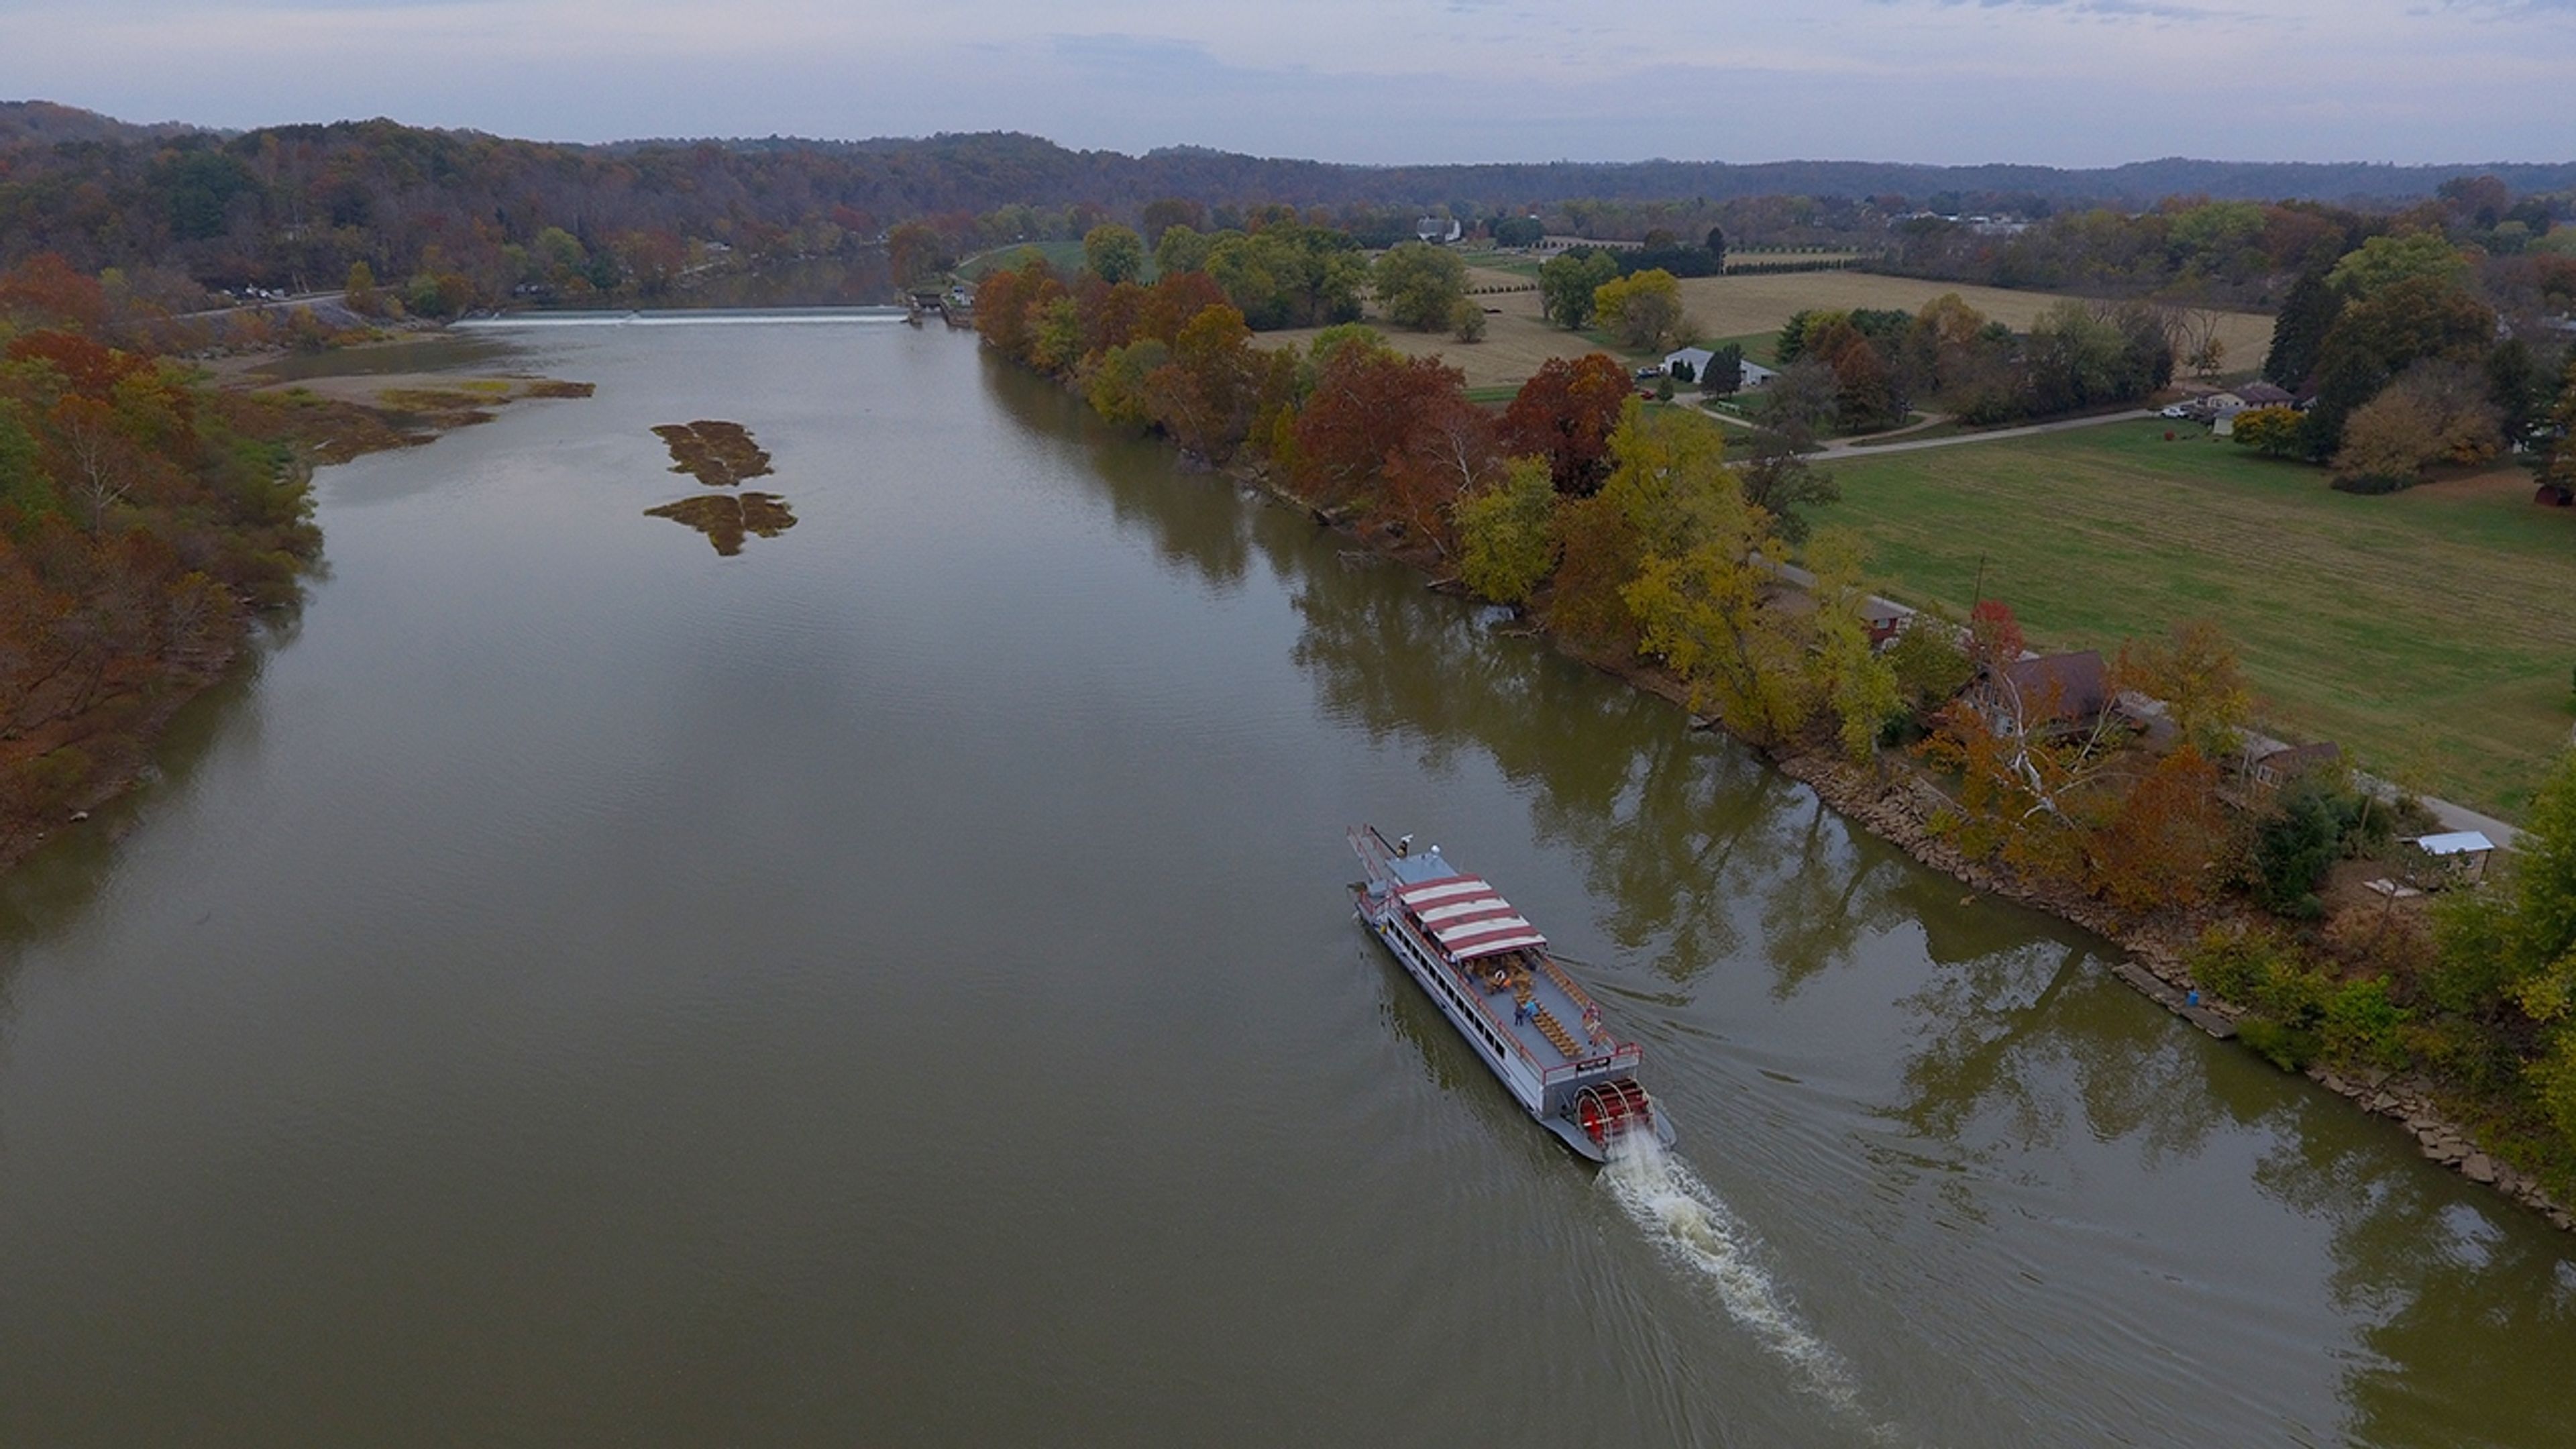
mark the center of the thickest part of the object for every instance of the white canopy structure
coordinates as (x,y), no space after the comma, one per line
(1468,917)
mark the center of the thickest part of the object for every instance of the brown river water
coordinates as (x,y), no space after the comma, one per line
(893,985)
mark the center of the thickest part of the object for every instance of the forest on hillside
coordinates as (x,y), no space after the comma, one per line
(172,210)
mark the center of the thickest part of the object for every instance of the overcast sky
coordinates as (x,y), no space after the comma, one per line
(2063,82)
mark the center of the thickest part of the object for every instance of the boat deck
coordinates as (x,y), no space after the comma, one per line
(1554,1034)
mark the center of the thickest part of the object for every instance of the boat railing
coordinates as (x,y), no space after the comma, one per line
(1556,973)
(1621,1055)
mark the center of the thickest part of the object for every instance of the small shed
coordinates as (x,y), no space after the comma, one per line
(2457,855)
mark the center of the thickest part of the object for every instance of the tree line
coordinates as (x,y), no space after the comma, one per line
(144,521)
(1630,532)
(2414,348)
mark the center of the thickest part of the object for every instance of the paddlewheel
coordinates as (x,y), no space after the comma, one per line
(1609,1110)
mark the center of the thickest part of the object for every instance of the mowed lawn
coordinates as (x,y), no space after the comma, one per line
(2428,626)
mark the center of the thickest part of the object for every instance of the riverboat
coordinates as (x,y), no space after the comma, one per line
(1489,971)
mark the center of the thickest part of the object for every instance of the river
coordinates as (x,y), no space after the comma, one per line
(893,985)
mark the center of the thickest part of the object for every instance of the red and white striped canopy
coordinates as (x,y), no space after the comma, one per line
(1468,917)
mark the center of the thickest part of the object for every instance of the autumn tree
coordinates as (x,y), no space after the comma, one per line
(1929,661)
(2159,845)
(1373,412)
(1717,616)
(2509,951)
(359,291)
(1159,217)
(1113,253)
(916,253)
(2373,340)
(1707,596)
(2274,432)
(2194,671)
(1205,396)
(1858,686)
(1449,453)
(45,291)
(1506,539)
(1783,484)
(2438,412)
(1420,286)
(1565,413)
(1598,555)
(1568,282)
(1994,635)
(1801,402)
(1182,248)
(1642,310)
(1115,381)
(93,459)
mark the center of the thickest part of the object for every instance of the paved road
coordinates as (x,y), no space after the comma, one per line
(1847,448)
(301,301)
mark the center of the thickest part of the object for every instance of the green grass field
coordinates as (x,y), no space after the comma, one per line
(1064,256)
(2425,631)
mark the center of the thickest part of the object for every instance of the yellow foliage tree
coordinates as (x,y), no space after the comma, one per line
(1644,310)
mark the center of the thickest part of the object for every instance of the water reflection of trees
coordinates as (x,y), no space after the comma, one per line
(1673,830)
(2466,1306)
(1197,523)
(2470,1305)
(2462,1303)
(56,887)
(2045,1040)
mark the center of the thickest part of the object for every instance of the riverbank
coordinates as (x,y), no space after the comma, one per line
(91,739)
(1898,804)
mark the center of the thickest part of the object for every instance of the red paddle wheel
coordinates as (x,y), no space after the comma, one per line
(1610,1109)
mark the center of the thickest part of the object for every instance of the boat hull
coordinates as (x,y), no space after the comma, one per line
(1526,1086)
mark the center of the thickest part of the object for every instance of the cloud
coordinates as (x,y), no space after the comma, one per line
(2062,81)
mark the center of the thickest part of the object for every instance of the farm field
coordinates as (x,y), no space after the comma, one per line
(1518,338)
(2416,629)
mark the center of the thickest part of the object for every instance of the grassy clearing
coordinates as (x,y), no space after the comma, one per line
(1746,309)
(1731,306)
(1064,256)
(2420,630)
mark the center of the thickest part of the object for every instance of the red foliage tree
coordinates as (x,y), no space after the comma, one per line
(1451,450)
(1205,396)
(1994,635)
(1366,405)
(1172,302)
(2160,845)
(1565,413)
(45,291)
